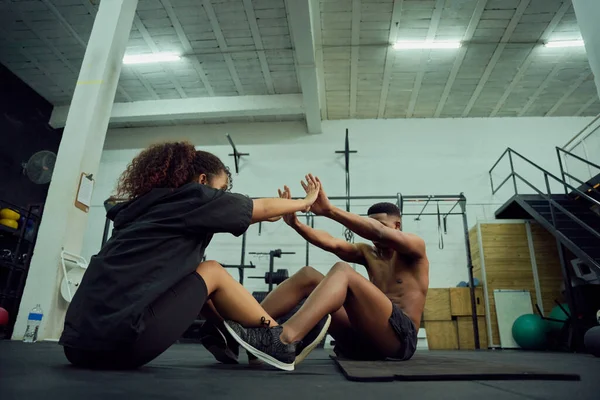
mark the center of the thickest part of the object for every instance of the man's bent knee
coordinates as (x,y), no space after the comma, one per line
(341,266)
(310,274)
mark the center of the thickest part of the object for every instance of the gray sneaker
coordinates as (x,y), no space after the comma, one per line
(313,338)
(264,343)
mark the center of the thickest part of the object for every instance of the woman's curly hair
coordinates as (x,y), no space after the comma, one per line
(167,165)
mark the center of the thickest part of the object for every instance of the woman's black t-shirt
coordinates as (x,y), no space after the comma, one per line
(157,240)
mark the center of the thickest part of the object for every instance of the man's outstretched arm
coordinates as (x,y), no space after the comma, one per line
(368,228)
(346,251)
(374,230)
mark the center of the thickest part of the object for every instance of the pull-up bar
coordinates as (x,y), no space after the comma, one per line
(423,209)
(417,199)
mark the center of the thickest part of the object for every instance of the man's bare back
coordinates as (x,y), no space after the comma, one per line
(403,279)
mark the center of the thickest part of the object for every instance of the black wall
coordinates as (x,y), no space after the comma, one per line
(24,130)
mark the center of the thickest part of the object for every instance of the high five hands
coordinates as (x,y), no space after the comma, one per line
(321,205)
(316,199)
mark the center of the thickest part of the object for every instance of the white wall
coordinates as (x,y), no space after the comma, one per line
(412,156)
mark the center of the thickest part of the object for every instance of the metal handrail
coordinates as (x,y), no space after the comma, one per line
(573,188)
(499,159)
(559,150)
(562,169)
(509,150)
(590,187)
(583,130)
(561,208)
(551,202)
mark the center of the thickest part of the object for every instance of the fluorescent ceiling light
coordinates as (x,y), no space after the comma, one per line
(565,43)
(150,58)
(406,45)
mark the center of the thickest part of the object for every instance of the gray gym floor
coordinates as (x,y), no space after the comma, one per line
(40,371)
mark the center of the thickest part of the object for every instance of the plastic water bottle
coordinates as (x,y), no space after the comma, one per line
(33,324)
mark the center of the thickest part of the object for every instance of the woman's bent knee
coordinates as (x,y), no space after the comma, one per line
(208,265)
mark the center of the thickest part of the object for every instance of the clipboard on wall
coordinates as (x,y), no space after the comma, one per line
(83,200)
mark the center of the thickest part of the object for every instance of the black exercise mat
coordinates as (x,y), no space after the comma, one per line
(428,366)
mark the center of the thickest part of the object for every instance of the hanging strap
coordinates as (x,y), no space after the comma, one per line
(440,233)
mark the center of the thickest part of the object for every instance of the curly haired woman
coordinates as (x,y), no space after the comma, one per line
(148,282)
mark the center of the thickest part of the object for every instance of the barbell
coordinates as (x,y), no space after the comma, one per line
(275,277)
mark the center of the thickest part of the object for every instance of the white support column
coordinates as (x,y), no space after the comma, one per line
(80,150)
(588,15)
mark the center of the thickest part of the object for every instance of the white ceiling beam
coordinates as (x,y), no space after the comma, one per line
(433,25)
(390,57)
(354,55)
(496,56)
(93,10)
(304,49)
(462,52)
(318,42)
(196,108)
(587,105)
(527,62)
(137,22)
(559,65)
(260,50)
(70,29)
(187,46)
(569,92)
(214,22)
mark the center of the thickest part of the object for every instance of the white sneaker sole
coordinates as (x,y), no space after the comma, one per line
(259,354)
(306,351)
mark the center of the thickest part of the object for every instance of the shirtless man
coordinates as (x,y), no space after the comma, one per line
(370,319)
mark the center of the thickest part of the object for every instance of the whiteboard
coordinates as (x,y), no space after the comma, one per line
(510,305)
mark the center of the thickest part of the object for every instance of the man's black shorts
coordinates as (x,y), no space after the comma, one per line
(358,348)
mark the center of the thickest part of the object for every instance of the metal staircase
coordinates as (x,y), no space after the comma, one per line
(580,239)
(571,214)
(570,217)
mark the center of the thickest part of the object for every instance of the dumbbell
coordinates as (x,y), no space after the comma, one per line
(276,277)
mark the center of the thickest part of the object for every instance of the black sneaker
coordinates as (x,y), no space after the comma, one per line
(265,344)
(216,341)
(313,338)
